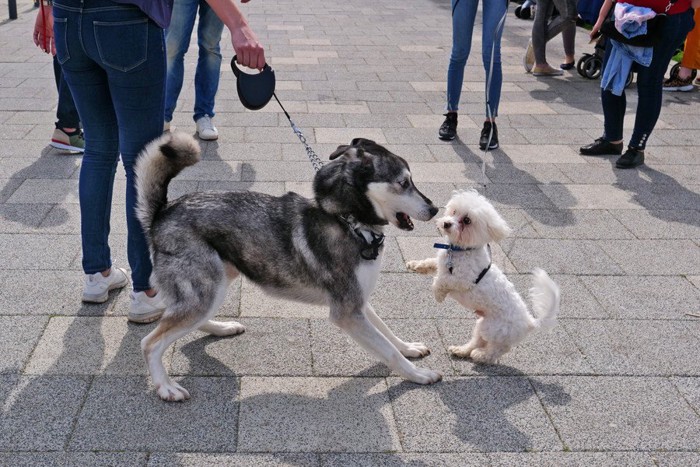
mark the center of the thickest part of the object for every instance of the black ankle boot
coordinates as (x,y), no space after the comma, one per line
(448,129)
(630,159)
(487,137)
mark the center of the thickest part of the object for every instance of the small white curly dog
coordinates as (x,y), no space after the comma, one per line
(465,273)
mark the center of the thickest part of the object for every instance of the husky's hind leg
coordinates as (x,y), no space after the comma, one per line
(223,328)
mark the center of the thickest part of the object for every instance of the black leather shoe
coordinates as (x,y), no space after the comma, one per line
(601,147)
(448,129)
(489,135)
(630,159)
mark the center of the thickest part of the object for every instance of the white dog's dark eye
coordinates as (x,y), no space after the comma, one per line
(405,184)
(466,220)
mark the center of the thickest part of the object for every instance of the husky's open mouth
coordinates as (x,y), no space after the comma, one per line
(404,221)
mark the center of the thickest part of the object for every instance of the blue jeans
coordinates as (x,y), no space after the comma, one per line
(463,18)
(66,113)
(113,59)
(649,85)
(177,40)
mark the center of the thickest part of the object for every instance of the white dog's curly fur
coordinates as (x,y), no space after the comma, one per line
(470,223)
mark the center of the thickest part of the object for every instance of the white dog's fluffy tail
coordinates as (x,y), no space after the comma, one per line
(544,296)
(160,161)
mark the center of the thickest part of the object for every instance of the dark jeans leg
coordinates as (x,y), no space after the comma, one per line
(66,113)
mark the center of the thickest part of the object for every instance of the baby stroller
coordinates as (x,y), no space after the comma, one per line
(591,65)
(526,10)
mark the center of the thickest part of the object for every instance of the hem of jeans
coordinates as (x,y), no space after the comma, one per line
(197,116)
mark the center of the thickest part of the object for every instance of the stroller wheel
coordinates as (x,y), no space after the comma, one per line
(579,64)
(518,10)
(525,13)
(629,79)
(592,67)
(674,72)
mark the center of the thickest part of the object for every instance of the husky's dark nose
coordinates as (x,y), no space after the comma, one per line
(433,211)
(447,225)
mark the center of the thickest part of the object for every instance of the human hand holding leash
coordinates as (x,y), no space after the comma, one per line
(245,43)
(43,29)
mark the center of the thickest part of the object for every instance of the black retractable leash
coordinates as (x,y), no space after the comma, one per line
(256,90)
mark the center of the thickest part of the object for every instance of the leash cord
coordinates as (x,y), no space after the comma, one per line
(499,29)
(316,161)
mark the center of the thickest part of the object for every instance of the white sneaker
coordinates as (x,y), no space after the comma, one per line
(206,129)
(145,309)
(97,286)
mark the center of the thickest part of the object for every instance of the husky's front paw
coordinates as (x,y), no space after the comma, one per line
(172,392)
(415,350)
(424,376)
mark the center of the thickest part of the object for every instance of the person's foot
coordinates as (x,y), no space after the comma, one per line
(546,70)
(601,147)
(677,83)
(630,159)
(489,136)
(529,58)
(206,129)
(73,142)
(97,286)
(448,129)
(145,309)
(568,65)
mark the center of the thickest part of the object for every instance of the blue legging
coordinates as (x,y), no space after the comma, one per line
(463,18)
(649,85)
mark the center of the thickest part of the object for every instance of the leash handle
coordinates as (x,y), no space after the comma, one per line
(316,161)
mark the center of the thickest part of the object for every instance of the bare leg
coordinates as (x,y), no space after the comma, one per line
(407,349)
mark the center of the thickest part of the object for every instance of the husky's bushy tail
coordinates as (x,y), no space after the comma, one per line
(544,296)
(160,161)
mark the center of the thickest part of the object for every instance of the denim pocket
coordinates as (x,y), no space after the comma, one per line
(122,45)
(60,25)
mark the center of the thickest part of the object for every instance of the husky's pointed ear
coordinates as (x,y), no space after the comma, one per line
(361,141)
(339,152)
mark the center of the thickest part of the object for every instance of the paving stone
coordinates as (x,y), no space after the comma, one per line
(589,197)
(316,414)
(268,347)
(20,251)
(644,297)
(571,459)
(560,256)
(337,354)
(73,459)
(577,224)
(45,191)
(675,459)
(621,414)
(654,257)
(207,422)
(32,420)
(473,414)
(232,460)
(18,336)
(638,347)
(90,346)
(562,355)
(21,218)
(669,224)
(403,459)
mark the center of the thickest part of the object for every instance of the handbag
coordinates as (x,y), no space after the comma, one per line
(652,37)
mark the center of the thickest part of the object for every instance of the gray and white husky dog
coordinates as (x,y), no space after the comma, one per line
(326,250)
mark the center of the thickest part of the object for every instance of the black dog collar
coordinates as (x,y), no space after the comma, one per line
(451,248)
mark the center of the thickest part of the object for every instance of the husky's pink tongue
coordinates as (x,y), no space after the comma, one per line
(404,221)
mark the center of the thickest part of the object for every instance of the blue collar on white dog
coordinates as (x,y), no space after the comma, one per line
(451,248)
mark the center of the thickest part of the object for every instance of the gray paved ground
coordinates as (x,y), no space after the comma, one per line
(616,383)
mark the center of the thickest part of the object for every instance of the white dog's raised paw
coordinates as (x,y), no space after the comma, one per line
(424,376)
(415,350)
(461,351)
(172,392)
(411,265)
